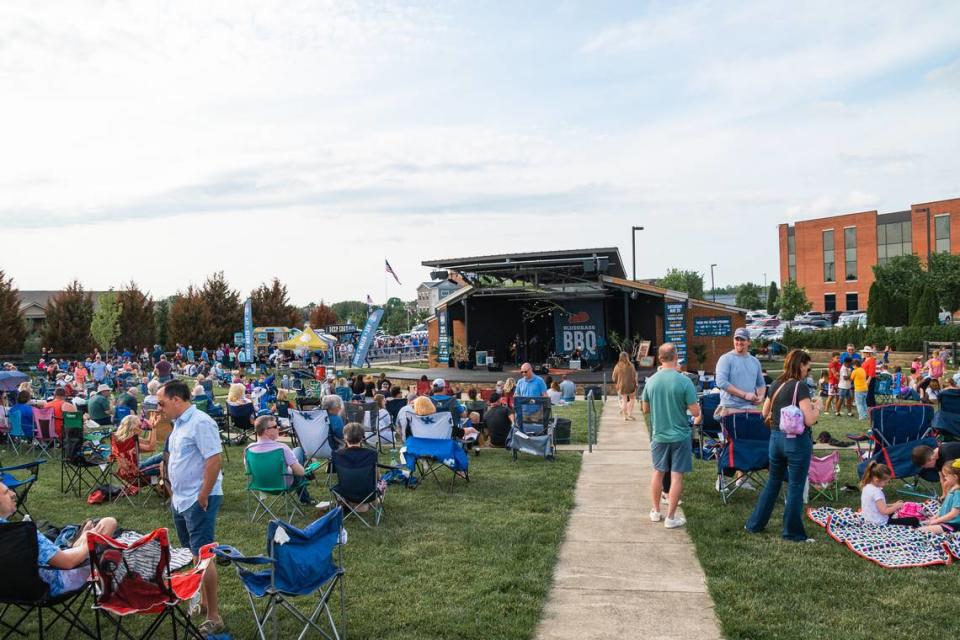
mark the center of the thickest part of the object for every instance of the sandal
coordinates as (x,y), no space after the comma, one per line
(210,627)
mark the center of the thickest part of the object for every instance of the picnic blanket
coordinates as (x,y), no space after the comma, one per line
(180,557)
(891,547)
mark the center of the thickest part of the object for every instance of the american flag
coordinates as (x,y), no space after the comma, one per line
(391,271)
(369,299)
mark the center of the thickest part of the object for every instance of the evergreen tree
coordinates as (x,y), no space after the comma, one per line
(137,328)
(876,306)
(13,329)
(188,320)
(105,325)
(914,306)
(928,309)
(690,282)
(161,316)
(943,273)
(793,300)
(226,310)
(69,314)
(350,311)
(773,299)
(322,316)
(272,308)
(748,296)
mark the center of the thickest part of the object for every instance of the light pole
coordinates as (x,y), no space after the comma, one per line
(713,289)
(633,240)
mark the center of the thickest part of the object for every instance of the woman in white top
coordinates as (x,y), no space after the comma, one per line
(556,397)
(383,421)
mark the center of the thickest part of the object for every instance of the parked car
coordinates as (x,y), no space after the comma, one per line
(945,317)
(820,324)
(859,319)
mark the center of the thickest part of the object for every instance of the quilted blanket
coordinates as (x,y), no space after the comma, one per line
(891,547)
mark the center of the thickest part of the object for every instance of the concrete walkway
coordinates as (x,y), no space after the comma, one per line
(619,575)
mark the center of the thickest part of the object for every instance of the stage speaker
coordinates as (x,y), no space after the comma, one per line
(542,370)
(495,367)
(597,367)
(438,275)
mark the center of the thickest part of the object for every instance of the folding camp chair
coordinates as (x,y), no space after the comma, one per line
(824,476)
(271,486)
(298,563)
(431,449)
(241,419)
(85,462)
(125,455)
(357,483)
(21,430)
(393,407)
(20,483)
(23,591)
(883,389)
(895,430)
(202,404)
(745,449)
(44,432)
(946,420)
(709,429)
(312,429)
(119,413)
(532,430)
(135,579)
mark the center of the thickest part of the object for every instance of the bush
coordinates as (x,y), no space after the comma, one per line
(903,339)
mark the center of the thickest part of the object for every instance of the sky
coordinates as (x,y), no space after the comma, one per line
(310,140)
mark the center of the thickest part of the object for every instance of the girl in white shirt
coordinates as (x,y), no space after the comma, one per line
(873,503)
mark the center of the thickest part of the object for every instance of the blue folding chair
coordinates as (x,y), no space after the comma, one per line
(946,421)
(298,563)
(120,412)
(745,449)
(533,428)
(895,430)
(20,483)
(709,430)
(20,417)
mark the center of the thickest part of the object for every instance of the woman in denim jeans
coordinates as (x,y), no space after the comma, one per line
(789,456)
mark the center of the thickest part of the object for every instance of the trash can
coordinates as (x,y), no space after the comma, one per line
(597,392)
(561,431)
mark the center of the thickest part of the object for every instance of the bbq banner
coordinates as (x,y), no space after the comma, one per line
(579,326)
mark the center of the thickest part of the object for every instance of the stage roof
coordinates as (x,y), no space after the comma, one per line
(548,265)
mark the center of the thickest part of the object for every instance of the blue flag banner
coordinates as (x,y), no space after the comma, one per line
(366,337)
(248,330)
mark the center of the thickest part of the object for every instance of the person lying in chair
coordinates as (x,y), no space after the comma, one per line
(65,570)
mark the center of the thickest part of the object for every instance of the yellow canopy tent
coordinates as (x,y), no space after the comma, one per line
(307,340)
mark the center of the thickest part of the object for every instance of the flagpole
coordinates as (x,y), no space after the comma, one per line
(384,284)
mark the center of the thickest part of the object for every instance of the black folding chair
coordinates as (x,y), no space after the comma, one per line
(241,420)
(84,462)
(23,592)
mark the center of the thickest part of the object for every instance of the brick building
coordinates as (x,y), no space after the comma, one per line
(833,258)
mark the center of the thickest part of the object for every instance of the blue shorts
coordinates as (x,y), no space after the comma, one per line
(196,527)
(675,457)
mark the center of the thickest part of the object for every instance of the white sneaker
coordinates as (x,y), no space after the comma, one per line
(744,483)
(674,523)
(655,516)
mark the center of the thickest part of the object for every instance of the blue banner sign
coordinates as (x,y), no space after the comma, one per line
(248,330)
(675,327)
(366,337)
(716,326)
(443,338)
(579,328)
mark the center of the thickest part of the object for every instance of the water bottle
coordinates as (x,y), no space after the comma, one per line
(393,458)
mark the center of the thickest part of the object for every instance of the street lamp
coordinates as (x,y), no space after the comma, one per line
(713,289)
(633,240)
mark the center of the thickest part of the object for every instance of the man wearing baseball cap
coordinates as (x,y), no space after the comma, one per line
(438,394)
(739,377)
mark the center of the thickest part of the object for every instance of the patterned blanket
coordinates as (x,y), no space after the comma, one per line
(891,547)
(180,557)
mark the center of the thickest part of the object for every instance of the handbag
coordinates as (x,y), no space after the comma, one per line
(791,417)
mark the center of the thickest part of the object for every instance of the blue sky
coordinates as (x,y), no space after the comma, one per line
(309,140)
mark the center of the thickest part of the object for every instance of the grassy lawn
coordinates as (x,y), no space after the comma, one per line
(475,563)
(764,587)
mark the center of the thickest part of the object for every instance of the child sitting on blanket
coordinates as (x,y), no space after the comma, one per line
(873,503)
(948,518)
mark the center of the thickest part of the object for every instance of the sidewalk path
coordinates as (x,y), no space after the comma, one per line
(619,575)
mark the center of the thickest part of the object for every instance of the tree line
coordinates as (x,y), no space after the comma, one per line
(203,316)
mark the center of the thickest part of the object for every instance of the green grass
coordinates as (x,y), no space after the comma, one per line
(764,587)
(577,414)
(475,563)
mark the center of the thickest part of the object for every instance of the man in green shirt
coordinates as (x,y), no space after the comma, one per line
(99,406)
(667,397)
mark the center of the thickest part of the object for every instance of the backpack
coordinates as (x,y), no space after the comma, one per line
(791,416)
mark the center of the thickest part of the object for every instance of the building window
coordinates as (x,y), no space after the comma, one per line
(791,258)
(942,225)
(850,252)
(894,239)
(829,266)
(830,302)
(853,302)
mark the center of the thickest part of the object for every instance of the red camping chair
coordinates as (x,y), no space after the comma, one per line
(135,579)
(125,454)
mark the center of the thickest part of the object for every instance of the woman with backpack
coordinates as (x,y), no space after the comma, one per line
(790,412)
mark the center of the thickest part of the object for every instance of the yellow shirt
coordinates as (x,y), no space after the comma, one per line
(859,378)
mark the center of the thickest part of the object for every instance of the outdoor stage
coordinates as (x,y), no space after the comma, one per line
(482,376)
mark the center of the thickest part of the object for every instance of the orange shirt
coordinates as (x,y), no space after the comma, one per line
(870,367)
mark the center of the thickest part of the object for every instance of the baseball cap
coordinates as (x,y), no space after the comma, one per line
(741,333)
(439,383)
(103,387)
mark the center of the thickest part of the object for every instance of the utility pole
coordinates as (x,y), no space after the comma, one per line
(633,240)
(713,288)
